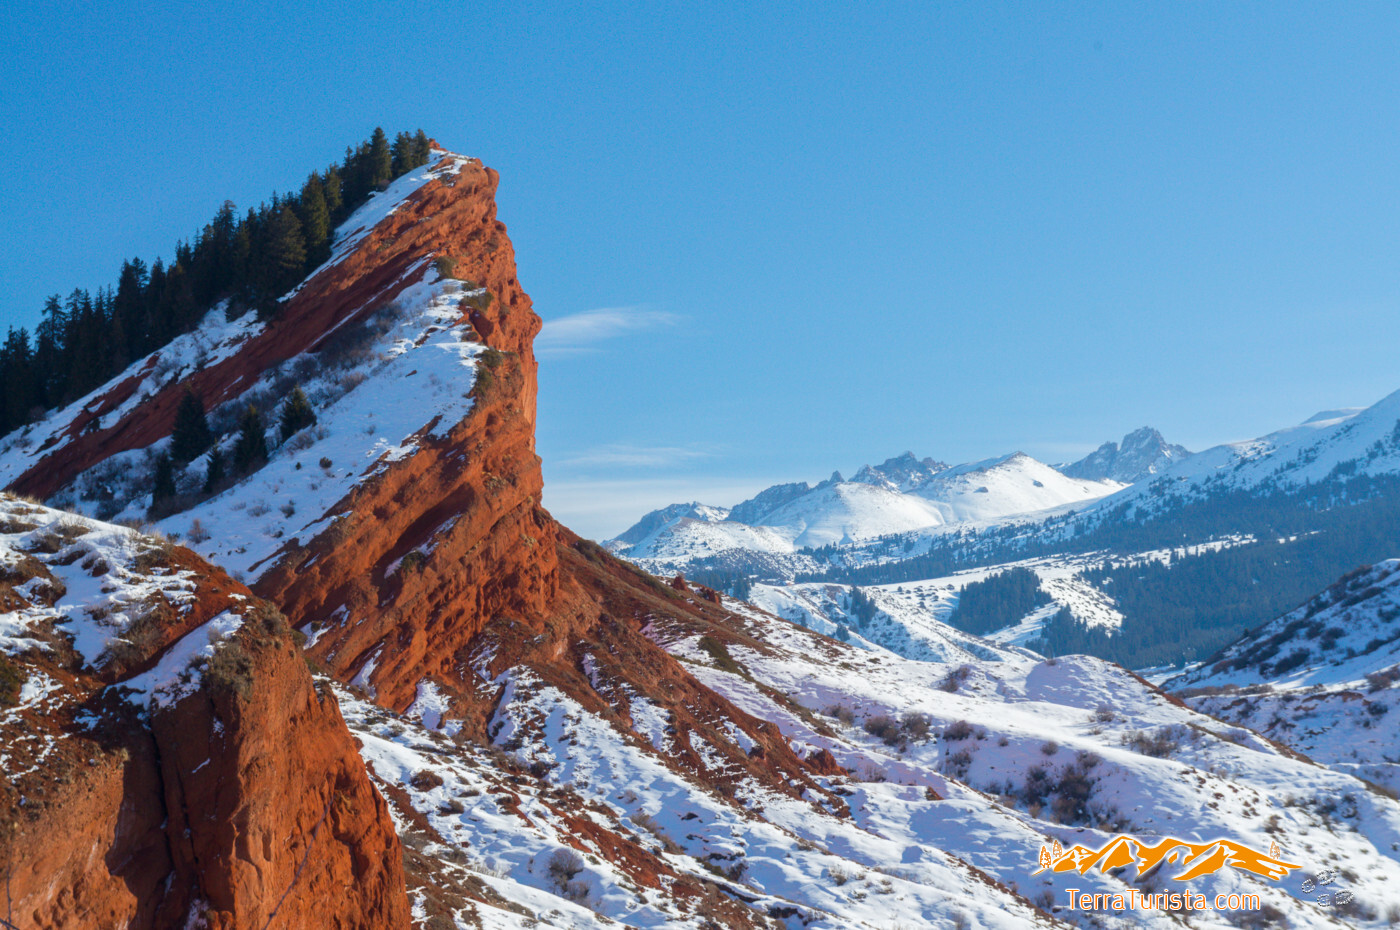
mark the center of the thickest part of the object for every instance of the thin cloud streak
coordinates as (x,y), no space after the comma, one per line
(579,333)
(629,456)
(602,509)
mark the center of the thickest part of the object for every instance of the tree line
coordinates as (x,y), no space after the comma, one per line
(249,260)
(998,601)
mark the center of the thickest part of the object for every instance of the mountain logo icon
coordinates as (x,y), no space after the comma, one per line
(1194,859)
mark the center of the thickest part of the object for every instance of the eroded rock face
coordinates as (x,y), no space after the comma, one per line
(238,794)
(469,500)
(438,568)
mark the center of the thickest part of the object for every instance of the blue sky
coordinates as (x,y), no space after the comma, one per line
(772,240)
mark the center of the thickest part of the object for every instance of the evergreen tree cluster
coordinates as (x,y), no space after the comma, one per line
(192,436)
(252,260)
(1196,604)
(861,607)
(998,601)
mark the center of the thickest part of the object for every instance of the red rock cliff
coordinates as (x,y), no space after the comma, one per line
(243,799)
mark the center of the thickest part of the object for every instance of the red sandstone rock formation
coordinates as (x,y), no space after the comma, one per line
(243,799)
(499,577)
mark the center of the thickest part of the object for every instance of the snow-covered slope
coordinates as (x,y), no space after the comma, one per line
(1320,678)
(945,767)
(1006,486)
(379,387)
(843,512)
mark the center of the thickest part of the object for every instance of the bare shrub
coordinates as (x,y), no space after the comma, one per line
(562,866)
(958,763)
(958,729)
(578,892)
(231,669)
(649,824)
(1383,678)
(884,728)
(842,713)
(198,533)
(302,441)
(916,726)
(425,780)
(954,679)
(1159,744)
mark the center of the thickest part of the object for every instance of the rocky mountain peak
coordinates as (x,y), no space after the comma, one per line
(1142,453)
(899,473)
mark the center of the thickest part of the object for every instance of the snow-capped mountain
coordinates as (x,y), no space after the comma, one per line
(901,495)
(667,517)
(1003,487)
(1330,445)
(1142,454)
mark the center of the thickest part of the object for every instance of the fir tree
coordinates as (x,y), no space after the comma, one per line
(422,148)
(214,474)
(191,435)
(286,252)
(402,154)
(315,220)
(251,448)
(20,383)
(163,490)
(381,163)
(330,189)
(296,414)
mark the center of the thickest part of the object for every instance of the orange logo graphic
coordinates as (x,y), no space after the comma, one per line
(1196,859)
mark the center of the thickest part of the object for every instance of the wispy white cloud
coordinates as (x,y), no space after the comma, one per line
(602,509)
(625,455)
(581,332)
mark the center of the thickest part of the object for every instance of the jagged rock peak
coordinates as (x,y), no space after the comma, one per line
(1142,453)
(900,473)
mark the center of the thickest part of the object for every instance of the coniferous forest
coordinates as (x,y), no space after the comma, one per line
(250,260)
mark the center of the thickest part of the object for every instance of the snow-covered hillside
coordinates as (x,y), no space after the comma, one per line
(973,761)
(378,387)
(97,585)
(1004,487)
(1321,678)
(912,618)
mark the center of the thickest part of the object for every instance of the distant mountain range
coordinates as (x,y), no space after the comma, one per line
(902,493)
(1227,538)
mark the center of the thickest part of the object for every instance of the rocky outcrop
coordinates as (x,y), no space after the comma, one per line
(900,473)
(1142,454)
(467,502)
(438,571)
(238,797)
